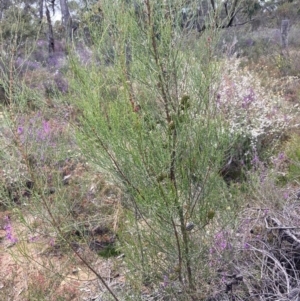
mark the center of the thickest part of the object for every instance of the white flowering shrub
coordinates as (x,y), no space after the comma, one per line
(256,113)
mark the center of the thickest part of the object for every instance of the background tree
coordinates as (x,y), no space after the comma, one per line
(66,18)
(27,24)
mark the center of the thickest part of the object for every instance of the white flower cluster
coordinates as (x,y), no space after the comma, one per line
(251,109)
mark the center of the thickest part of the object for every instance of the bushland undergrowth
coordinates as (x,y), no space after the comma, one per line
(167,152)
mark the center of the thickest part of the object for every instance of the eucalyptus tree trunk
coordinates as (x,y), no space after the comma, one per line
(50,32)
(66,18)
(41,9)
(284,33)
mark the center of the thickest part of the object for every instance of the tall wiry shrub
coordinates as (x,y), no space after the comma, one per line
(149,120)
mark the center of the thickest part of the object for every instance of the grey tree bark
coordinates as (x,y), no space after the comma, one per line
(66,18)
(41,9)
(285,24)
(50,32)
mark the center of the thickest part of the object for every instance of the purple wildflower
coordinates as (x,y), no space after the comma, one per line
(46,127)
(281,156)
(246,246)
(166,281)
(52,242)
(20,130)
(44,133)
(33,238)
(247,221)
(248,99)
(8,230)
(220,241)
(255,160)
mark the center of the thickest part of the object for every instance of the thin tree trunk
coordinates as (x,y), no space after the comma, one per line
(66,18)
(41,9)
(50,32)
(285,24)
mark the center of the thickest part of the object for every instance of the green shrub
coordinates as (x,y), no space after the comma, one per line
(293,154)
(158,136)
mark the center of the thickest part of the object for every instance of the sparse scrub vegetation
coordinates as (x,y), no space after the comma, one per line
(149,152)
